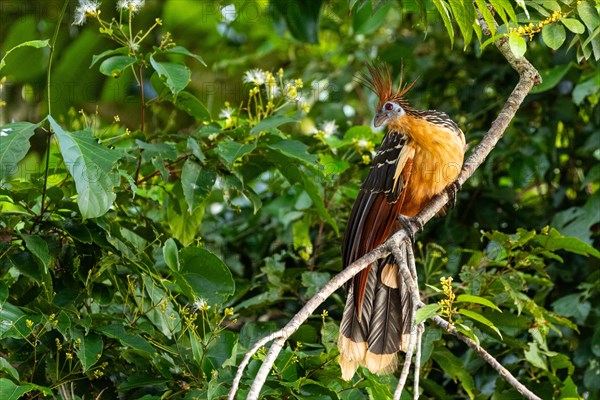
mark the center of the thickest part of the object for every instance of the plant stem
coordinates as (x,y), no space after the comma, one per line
(48,84)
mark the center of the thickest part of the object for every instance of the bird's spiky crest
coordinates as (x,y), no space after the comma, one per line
(380,82)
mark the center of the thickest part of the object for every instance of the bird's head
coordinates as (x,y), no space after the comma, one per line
(388,111)
(392,103)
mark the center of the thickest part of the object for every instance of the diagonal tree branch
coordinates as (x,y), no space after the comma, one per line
(528,78)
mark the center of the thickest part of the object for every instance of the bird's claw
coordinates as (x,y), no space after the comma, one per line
(452,191)
(407,223)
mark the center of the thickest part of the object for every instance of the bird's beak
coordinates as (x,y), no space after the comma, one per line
(380,119)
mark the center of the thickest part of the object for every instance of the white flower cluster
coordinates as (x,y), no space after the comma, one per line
(275,87)
(130,5)
(84,9)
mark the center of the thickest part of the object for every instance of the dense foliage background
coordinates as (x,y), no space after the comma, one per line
(143,252)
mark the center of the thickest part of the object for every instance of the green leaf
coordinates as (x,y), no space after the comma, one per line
(573,25)
(177,76)
(194,147)
(110,52)
(588,15)
(555,241)
(135,342)
(535,357)
(301,239)
(551,77)
(207,275)
(184,226)
(479,318)
(166,150)
(503,7)
(366,20)
(294,175)
(554,35)
(586,88)
(231,151)
(171,255)
(183,51)
(8,369)
(426,312)
(90,164)
(191,105)
(11,391)
(38,44)
(444,12)
(115,65)
(455,368)
(465,16)
(39,248)
(302,17)
(295,150)
(160,310)
(14,145)
(196,182)
(89,350)
(517,44)
(468,298)
(270,123)
(487,15)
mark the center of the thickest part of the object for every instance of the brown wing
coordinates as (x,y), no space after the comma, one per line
(377,206)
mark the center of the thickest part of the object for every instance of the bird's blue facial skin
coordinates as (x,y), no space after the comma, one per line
(388,111)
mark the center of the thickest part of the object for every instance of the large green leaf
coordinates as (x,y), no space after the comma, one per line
(554,35)
(31,43)
(444,11)
(464,15)
(426,312)
(177,76)
(14,145)
(302,17)
(114,66)
(207,275)
(136,342)
(455,368)
(90,349)
(479,318)
(295,175)
(196,182)
(295,150)
(11,391)
(183,51)
(468,298)
(39,248)
(183,224)
(171,254)
(193,106)
(230,151)
(90,164)
(555,241)
(269,124)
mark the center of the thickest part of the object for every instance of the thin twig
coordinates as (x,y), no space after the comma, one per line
(528,78)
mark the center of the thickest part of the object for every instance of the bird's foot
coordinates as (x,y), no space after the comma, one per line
(452,190)
(412,225)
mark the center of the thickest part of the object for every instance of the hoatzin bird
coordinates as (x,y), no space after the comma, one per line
(420,156)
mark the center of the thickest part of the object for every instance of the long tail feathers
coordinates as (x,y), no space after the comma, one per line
(373,336)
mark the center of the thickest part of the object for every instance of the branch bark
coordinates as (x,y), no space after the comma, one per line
(528,77)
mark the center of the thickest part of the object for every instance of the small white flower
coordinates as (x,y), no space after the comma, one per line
(4,132)
(228,12)
(363,143)
(130,5)
(256,76)
(329,128)
(226,113)
(85,8)
(200,305)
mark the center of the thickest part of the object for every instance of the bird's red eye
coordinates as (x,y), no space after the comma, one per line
(389,106)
